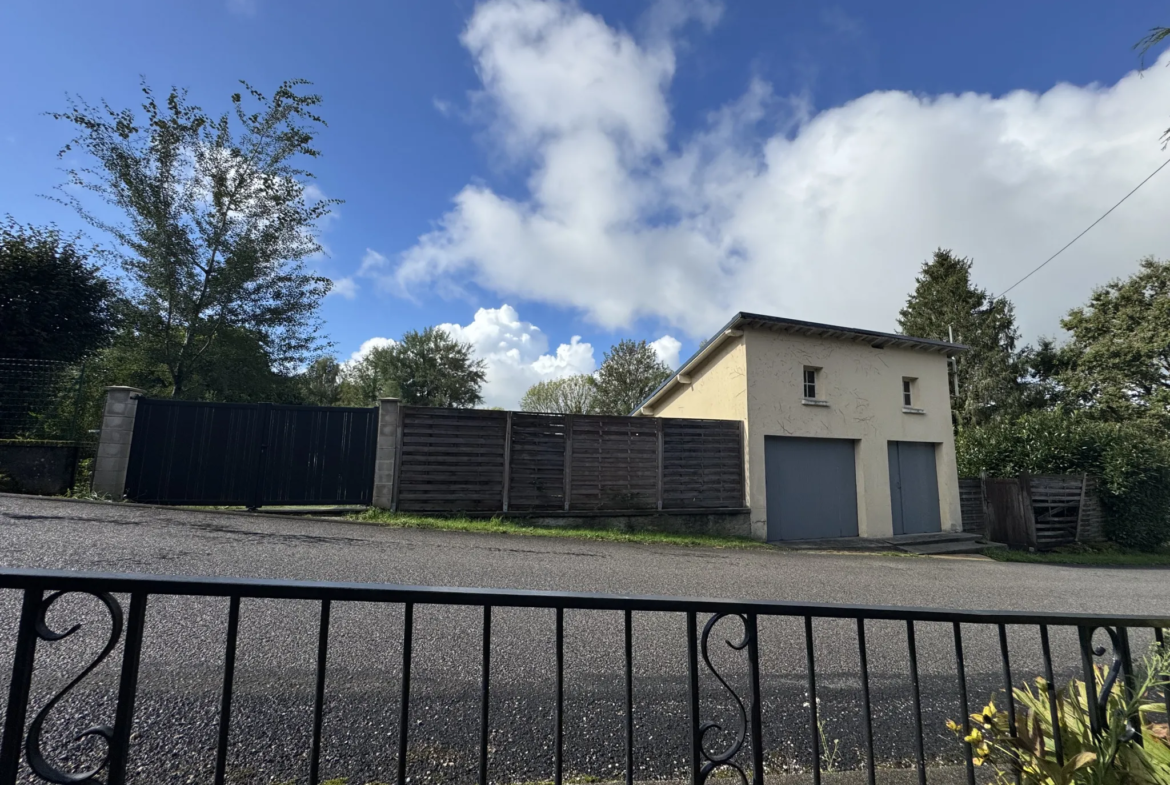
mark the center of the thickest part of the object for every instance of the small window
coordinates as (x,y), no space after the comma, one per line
(810,383)
(907,397)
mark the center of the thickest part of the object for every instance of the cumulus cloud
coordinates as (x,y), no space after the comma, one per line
(344,287)
(368,346)
(772,206)
(667,348)
(517,354)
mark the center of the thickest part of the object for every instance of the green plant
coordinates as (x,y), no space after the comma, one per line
(1115,756)
(1132,460)
(830,750)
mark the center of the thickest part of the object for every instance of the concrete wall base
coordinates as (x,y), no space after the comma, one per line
(723,524)
(36,468)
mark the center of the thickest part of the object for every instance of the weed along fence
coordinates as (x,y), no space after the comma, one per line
(1033,511)
(465,460)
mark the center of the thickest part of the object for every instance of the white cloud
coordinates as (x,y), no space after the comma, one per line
(516,354)
(373,263)
(368,346)
(771,207)
(344,287)
(667,348)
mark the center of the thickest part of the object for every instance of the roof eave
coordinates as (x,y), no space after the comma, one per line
(735,327)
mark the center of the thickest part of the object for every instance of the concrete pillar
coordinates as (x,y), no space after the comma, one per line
(386,456)
(113,453)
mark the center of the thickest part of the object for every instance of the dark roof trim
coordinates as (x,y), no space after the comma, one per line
(878,340)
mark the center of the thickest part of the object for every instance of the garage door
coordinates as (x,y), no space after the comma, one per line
(811,488)
(914,488)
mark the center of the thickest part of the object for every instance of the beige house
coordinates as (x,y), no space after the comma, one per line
(848,432)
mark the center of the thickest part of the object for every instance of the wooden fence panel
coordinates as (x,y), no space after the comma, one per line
(1056,505)
(1091,527)
(452,460)
(974,512)
(702,464)
(614,463)
(537,477)
(1051,511)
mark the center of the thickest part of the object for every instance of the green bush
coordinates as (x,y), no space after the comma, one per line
(1131,459)
(1025,752)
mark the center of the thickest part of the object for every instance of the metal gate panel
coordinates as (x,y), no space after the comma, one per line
(914,500)
(811,487)
(319,455)
(183,452)
(200,453)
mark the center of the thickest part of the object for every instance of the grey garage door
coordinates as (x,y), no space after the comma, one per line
(914,488)
(811,488)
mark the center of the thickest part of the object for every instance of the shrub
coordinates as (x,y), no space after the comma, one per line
(1131,749)
(1131,459)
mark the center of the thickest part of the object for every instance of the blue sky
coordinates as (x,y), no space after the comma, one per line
(610,169)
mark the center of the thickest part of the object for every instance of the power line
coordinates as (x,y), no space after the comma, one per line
(1082,234)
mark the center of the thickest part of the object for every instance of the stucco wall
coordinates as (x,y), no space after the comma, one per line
(863,387)
(718,388)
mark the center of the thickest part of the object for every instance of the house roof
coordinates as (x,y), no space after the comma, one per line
(735,327)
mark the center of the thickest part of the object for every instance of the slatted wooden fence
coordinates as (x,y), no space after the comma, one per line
(478,461)
(1056,509)
(972,506)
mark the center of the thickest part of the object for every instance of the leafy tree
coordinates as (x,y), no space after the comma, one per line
(433,369)
(238,369)
(946,299)
(428,368)
(53,305)
(1117,362)
(630,372)
(215,223)
(322,382)
(570,395)
(366,380)
(1151,40)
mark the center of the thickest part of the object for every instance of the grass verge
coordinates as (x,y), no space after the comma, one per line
(1103,555)
(519,527)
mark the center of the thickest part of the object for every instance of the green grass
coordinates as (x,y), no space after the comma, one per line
(522,528)
(1103,555)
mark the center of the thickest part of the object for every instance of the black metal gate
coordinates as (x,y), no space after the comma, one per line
(190,452)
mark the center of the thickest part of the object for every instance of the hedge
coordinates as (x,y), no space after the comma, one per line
(1131,459)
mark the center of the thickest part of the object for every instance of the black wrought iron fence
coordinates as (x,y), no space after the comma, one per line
(712,743)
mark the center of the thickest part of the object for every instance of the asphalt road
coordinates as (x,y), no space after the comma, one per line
(177,711)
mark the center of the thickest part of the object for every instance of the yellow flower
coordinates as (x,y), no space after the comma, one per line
(954,726)
(974,737)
